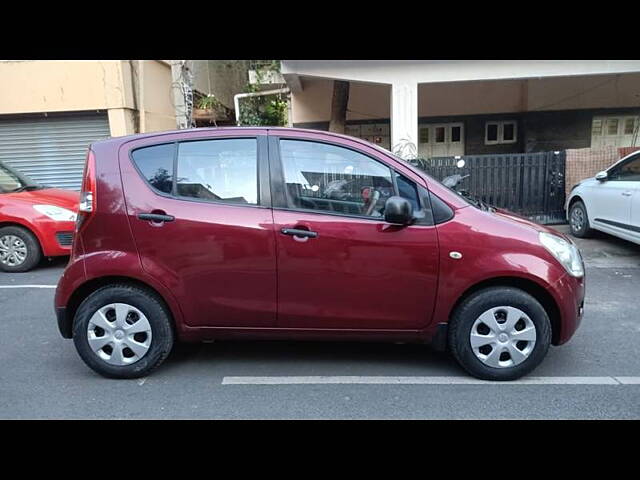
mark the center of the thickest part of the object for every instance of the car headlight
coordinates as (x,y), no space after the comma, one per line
(565,252)
(58,214)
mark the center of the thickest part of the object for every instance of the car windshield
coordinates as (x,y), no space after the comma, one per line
(13,181)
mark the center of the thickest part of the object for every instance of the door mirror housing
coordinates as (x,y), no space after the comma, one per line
(602,176)
(398,210)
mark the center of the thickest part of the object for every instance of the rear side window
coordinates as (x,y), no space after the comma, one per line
(156,165)
(223,170)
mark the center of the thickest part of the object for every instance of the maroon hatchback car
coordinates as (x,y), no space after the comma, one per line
(278,233)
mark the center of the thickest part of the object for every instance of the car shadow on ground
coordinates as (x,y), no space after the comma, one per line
(310,353)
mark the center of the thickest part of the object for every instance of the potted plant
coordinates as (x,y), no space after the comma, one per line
(206,108)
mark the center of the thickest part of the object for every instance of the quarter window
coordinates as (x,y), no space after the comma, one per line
(330,178)
(156,165)
(223,170)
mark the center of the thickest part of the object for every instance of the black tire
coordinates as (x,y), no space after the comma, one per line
(585,231)
(162,336)
(475,305)
(34,252)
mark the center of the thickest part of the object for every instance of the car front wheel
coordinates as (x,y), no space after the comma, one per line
(579,221)
(123,331)
(19,249)
(500,333)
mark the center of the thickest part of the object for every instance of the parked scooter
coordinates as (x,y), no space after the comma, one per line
(454,183)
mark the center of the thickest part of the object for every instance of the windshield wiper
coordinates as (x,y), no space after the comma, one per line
(26,187)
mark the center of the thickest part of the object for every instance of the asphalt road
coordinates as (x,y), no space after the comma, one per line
(41,376)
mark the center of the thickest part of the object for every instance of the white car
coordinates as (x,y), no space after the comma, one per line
(609,202)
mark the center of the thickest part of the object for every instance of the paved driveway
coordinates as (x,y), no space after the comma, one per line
(592,376)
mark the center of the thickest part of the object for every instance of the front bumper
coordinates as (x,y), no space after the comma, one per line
(55,237)
(569,293)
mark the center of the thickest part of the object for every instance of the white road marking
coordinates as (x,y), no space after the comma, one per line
(628,380)
(322,380)
(28,286)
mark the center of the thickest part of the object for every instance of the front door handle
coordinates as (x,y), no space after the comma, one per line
(299,232)
(156,217)
(626,194)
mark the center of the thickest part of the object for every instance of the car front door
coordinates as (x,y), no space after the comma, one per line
(611,200)
(340,265)
(202,224)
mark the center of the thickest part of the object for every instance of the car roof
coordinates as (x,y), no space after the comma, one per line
(137,136)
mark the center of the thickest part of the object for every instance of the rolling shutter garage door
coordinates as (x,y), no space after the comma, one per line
(51,150)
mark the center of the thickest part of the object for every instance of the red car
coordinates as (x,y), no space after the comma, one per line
(277,233)
(35,221)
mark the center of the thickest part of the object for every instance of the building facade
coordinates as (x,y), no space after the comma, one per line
(50,111)
(447,108)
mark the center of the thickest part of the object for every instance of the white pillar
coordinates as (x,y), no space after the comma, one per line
(404,119)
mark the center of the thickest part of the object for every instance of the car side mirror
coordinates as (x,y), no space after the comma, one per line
(602,176)
(398,210)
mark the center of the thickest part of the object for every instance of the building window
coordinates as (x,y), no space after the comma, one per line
(440,139)
(615,131)
(424,135)
(501,132)
(456,134)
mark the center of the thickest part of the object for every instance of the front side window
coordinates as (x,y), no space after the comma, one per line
(224,170)
(326,177)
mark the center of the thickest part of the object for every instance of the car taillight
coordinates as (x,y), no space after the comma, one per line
(88,190)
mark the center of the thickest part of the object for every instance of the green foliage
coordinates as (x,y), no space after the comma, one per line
(269,110)
(208,102)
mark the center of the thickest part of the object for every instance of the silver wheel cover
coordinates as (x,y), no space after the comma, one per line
(119,334)
(13,251)
(577,219)
(503,337)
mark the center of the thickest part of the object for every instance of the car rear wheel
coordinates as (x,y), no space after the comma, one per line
(123,331)
(500,333)
(579,221)
(19,249)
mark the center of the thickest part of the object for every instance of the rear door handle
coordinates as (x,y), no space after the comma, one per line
(299,233)
(156,217)
(626,194)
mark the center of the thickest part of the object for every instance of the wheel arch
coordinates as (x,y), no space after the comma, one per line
(92,285)
(529,286)
(28,228)
(574,199)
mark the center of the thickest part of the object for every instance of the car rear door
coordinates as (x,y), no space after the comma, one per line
(202,223)
(340,265)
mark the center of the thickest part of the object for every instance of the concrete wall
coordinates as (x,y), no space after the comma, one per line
(66,86)
(433,71)
(366,101)
(222,78)
(159,113)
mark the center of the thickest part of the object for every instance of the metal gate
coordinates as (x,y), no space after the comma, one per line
(51,150)
(530,184)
